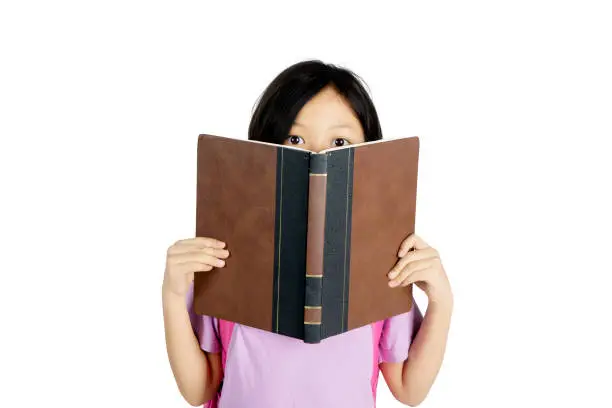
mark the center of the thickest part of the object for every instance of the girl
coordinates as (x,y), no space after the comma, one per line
(314,106)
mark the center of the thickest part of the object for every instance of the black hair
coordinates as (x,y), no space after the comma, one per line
(280,103)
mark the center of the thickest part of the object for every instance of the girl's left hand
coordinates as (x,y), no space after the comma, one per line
(420,264)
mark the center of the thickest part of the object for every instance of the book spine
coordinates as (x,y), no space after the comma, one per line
(315,241)
(291,212)
(337,251)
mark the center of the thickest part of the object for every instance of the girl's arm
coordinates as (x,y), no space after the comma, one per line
(419,264)
(411,380)
(197,373)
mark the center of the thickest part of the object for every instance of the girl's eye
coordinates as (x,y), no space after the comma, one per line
(295,140)
(340,142)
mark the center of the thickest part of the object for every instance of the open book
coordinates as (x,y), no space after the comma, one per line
(311,236)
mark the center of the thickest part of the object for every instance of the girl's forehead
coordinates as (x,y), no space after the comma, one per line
(327,108)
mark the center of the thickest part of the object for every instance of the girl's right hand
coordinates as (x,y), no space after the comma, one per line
(188,256)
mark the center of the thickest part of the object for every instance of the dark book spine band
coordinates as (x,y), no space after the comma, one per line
(292,183)
(314,248)
(338,226)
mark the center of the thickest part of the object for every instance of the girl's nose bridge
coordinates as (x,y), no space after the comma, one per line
(317,148)
(316,144)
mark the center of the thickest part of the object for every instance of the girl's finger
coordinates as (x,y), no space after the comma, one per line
(191,267)
(417,255)
(406,245)
(408,270)
(413,241)
(217,252)
(200,257)
(188,249)
(201,242)
(417,276)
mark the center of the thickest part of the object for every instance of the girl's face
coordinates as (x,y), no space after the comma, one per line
(325,121)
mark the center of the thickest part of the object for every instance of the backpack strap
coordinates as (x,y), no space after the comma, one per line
(224,332)
(377,328)
(226,329)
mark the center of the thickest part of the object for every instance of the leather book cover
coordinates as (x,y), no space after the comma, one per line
(311,236)
(370,210)
(254,197)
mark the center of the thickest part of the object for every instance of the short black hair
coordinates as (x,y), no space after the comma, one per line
(280,103)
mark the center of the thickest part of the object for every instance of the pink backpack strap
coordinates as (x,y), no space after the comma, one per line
(377,328)
(225,329)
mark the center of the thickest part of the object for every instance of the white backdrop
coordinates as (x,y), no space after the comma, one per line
(100,107)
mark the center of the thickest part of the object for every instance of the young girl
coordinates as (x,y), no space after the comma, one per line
(314,106)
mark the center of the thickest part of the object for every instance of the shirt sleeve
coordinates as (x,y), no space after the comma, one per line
(397,335)
(204,327)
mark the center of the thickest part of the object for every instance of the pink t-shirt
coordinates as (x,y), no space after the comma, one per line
(267,370)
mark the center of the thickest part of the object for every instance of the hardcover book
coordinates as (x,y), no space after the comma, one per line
(311,236)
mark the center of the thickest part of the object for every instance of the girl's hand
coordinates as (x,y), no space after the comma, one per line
(420,264)
(188,256)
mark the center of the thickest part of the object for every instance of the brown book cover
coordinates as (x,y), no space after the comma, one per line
(311,236)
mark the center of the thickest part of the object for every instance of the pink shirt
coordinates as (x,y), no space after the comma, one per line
(267,370)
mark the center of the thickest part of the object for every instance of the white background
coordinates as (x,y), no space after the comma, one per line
(100,107)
